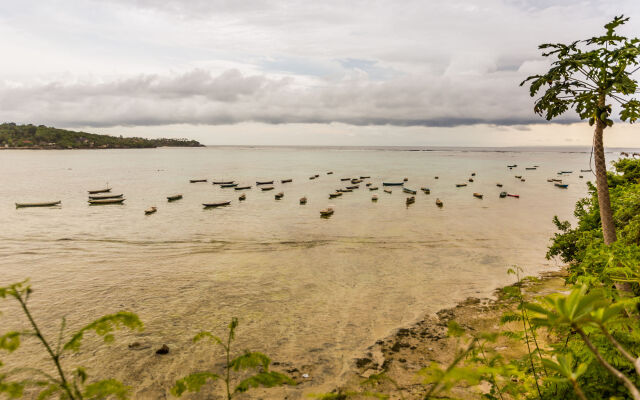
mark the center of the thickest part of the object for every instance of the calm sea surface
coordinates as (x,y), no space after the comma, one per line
(308,291)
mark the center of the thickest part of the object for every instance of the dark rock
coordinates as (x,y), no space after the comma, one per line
(362,362)
(163,350)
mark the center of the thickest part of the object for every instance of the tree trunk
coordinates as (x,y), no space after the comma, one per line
(606,216)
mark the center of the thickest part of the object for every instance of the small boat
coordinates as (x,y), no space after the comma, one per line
(585,170)
(334,195)
(303,200)
(242,188)
(406,190)
(105,201)
(229,185)
(286,180)
(213,205)
(566,172)
(522,180)
(374,198)
(461,184)
(473,174)
(326,212)
(580,176)
(499,184)
(411,200)
(105,190)
(197,180)
(562,185)
(426,190)
(436,177)
(470,179)
(367,184)
(45,204)
(312,177)
(392,183)
(344,190)
(512,166)
(387,191)
(279,196)
(503,194)
(517,196)
(405,179)
(222,182)
(356,181)
(242,197)
(107,196)
(477,195)
(530,168)
(345,179)
(174,197)
(518,176)
(330,173)
(556,180)
(439,203)
(549,180)
(264,189)
(317,175)
(265,183)
(150,210)
(365,177)
(373,188)
(353,187)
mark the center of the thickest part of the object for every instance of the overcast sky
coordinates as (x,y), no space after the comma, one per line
(385,72)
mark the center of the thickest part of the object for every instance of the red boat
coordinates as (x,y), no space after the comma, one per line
(513,195)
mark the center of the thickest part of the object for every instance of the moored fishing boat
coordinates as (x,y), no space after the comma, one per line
(327,212)
(266,188)
(105,201)
(374,198)
(405,179)
(522,180)
(426,190)
(345,179)
(356,181)
(473,174)
(242,188)
(329,172)
(242,197)
(219,204)
(105,190)
(344,190)
(411,200)
(286,180)
(174,197)
(562,185)
(439,203)
(197,180)
(334,195)
(150,210)
(44,204)
(499,184)
(353,187)
(312,177)
(279,196)
(517,196)
(470,179)
(461,184)
(585,170)
(392,183)
(106,196)
(229,185)
(512,166)
(530,168)
(477,195)
(436,177)
(407,190)
(222,182)
(373,188)
(503,194)
(367,184)
(518,176)
(317,175)
(303,200)
(264,183)
(365,177)
(387,191)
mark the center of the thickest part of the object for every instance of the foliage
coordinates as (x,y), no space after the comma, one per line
(70,385)
(244,362)
(31,136)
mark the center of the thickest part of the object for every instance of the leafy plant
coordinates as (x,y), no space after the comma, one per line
(246,361)
(70,385)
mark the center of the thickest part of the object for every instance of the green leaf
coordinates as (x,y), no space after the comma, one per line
(250,360)
(265,379)
(104,327)
(106,388)
(206,335)
(10,341)
(192,383)
(454,329)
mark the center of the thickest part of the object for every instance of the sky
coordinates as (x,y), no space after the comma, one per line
(331,72)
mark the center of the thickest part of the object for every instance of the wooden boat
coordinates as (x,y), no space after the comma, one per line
(242,188)
(470,179)
(406,190)
(345,179)
(303,200)
(392,183)
(499,184)
(436,177)
(286,180)
(279,196)
(549,180)
(222,182)
(106,196)
(387,191)
(327,212)
(562,185)
(512,166)
(365,177)
(264,183)
(503,194)
(353,187)
(330,173)
(580,176)
(522,180)
(566,172)
(197,180)
(461,184)
(411,200)
(174,197)
(150,210)
(556,180)
(439,203)
(356,181)
(518,176)
(585,170)
(477,195)
(374,198)
(229,185)
(426,190)
(45,204)
(219,204)
(334,195)
(105,201)
(344,190)
(312,177)
(317,175)
(242,197)
(473,174)
(373,188)
(105,190)
(264,189)
(405,179)
(517,196)
(530,168)
(367,184)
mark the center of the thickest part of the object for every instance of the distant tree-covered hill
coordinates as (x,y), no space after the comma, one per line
(44,137)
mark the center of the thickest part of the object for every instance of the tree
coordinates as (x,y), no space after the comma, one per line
(586,76)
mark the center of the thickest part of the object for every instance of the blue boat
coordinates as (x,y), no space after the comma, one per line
(392,183)
(408,191)
(562,185)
